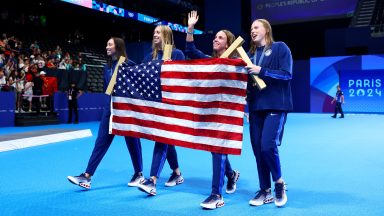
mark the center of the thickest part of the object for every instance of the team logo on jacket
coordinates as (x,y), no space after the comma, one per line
(268,52)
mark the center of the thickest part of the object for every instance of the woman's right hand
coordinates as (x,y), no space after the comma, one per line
(192,18)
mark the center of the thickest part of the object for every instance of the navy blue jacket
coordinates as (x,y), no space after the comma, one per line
(276,71)
(176,55)
(193,53)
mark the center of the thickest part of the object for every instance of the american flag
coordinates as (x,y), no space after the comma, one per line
(196,104)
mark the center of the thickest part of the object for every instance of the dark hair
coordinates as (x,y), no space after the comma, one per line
(120,49)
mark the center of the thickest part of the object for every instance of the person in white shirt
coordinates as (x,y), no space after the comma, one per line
(28,91)
(2,78)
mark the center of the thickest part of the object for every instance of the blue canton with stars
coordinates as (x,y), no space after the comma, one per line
(140,81)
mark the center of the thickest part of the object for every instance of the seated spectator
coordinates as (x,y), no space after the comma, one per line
(40,62)
(33,69)
(62,64)
(37,90)
(68,64)
(50,64)
(28,91)
(3,81)
(8,68)
(58,49)
(12,79)
(44,89)
(76,65)
(33,59)
(51,55)
(56,62)
(67,56)
(26,66)
(29,74)
(12,57)
(34,45)
(19,91)
(2,60)
(20,60)
(38,52)
(58,56)
(2,45)
(19,47)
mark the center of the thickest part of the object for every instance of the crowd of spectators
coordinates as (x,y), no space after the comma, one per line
(22,64)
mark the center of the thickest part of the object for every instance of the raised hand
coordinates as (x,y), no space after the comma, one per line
(192,18)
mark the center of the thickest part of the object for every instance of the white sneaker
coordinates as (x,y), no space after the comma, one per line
(136,179)
(147,186)
(280,194)
(262,197)
(231,183)
(80,180)
(213,201)
(174,180)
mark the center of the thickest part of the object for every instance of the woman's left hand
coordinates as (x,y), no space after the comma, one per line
(253,69)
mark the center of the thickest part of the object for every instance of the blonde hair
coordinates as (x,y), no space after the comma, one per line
(230,39)
(167,38)
(268,35)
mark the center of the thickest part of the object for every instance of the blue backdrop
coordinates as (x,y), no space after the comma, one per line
(90,106)
(7,109)
(327,72)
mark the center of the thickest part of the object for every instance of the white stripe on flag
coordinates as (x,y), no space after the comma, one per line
(193,110)
(179,136)
(179,122)
(204,97)
(204,83)
(218,68)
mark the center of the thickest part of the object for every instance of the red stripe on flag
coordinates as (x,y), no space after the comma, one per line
(180,115)
(205,75)
(211,61)
(217,149)
(204,90)
(179,129)
(197,104)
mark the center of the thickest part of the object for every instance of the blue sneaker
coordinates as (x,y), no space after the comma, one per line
(213,201)
(80,180)
(148,186)
(174,180)
(231,183)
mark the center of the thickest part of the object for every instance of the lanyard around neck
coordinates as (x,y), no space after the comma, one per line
(258,63)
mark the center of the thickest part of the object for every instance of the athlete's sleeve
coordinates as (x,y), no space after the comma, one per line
(148,57)
(285,65)
(192,52)
(178,55)
(106,80)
